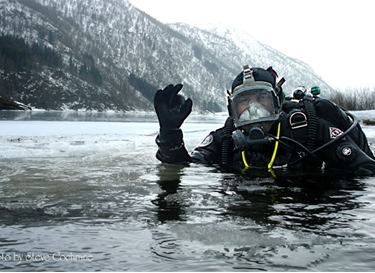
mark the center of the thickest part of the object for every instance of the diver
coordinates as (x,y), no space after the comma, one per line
(265,130)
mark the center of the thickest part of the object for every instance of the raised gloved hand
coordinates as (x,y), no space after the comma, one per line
(171,108)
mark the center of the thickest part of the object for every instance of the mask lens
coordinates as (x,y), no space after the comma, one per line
(252,105)
(253,111)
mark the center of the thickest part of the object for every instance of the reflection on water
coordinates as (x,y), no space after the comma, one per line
(99,200)
(170,180)
(255,222)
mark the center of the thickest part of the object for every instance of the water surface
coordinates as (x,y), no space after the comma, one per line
(84,192)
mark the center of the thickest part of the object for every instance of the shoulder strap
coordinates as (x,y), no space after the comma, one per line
(302,121)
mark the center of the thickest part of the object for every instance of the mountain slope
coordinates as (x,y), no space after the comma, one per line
(109,55)
(236,48)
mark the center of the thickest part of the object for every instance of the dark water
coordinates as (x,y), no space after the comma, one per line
(85,193)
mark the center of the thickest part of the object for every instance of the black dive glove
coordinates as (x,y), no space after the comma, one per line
(171,108)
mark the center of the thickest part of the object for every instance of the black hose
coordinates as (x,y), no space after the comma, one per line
(313,153)
(228,129)
(355,124)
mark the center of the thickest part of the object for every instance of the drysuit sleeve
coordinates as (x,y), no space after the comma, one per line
(171,148)
(209,151)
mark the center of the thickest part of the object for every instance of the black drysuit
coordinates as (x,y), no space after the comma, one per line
(323,137)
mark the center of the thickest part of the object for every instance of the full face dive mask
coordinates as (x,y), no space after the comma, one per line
(255,107)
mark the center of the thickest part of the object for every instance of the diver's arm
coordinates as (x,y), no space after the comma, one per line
(349,150)
(209,151)
(347,156)
(171,148)
(172,109)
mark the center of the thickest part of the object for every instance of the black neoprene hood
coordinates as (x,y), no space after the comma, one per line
(259,74)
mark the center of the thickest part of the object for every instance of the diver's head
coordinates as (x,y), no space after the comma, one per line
(253,99)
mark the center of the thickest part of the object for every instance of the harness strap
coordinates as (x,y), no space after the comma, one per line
(304,124)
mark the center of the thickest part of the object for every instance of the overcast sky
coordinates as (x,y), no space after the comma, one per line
(336,38)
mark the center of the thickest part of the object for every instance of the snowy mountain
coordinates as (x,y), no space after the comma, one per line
(94,54)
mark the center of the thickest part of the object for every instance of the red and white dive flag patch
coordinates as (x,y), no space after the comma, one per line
(334,132)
